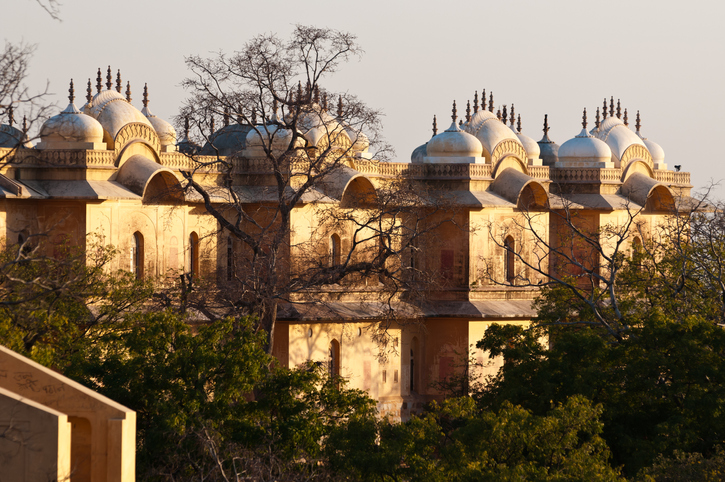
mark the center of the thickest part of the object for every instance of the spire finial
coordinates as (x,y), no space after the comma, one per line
(99,81)
(483,99)
(490,103)
(468,111)
(109,79)
(226,116)
(611,107)
(211,126)
(604,109)
(308,90)
(498,113)
(504,115)
(71,92)
(186,127)
(324,101)
(546,125)
(254,116)
(518,124)
(240,118)
(638,125)
(475,102)
(89,92)
(454,112)
(512,116)
(11,117)
(119,84)
(339,107)
(25,127)
(619,109)
(596,119)
(316,98)
(145,95)
(626,118)
(435,126)
(128,92)
(299,92)
(584,119)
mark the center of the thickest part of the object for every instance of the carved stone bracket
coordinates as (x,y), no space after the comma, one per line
(136,130)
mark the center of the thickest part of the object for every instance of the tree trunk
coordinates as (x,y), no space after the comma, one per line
(268,320)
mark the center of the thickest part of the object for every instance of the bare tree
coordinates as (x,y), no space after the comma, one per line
(293,154)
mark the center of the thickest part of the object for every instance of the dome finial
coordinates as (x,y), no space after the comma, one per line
(504,115)
(89,92)
(254,116)
(25,127)
(490,103)
(454,112)
(299,92)
(611,107)
(226,116)
(119,83)
(435,126)
(99,81)
(316,98)
(211,125)
(638,125)
(145,95)
(626,119)
(604,109)
(324,101)
(518,124)
(308,90)
(584,119)
(619,109)
(240,119)
(11,117)
(109,79)
(546,125)
(512,116)
(128,92)
(498,113)
(596,119)
(475,102)
(71,92)
(468,111)
(186,127)
(339,107)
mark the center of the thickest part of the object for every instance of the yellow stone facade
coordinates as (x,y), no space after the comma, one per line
(502,186)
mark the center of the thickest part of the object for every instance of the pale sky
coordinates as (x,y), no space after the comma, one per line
(663,58)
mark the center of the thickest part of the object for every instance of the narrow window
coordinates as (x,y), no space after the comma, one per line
(413,354)
(194,255)
(335,250)
(137,255)
(509,246)
(230,259)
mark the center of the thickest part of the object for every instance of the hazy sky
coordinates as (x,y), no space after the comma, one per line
(663,58)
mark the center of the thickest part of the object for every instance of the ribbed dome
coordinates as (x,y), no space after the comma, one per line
(70,129)
(454,143)
(618,136)
(13,137)
(229,140)
(584,148)
(360,141)
(316,124)
(113,111)
(655,150)
(419,153)
(489,130)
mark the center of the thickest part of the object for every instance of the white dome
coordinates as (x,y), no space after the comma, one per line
(279,137)
(454,143)
(584,148)
(316,124)
(533,151)
(165,131)
(618,136)
(360,141)
(69,129)
(489,130)
(655,150)
(113,111)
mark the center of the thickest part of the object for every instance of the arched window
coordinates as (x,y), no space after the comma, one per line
(510,266)
(335,250)
(333,362)
(137,255)
(413,364)
(194,255)
(636,245)
(230,259)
